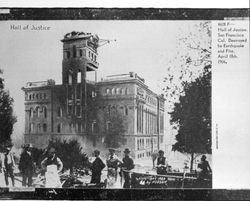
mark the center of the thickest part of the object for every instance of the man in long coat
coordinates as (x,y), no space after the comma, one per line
(26,165)
(96,168)
(127,165)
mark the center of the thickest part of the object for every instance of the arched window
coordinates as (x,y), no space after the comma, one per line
(31,127)
(31,112)
(30,97)
(107,91)
(113,91)
(45,112)
(44,127)
(37,96)
(59,112)
(117,90)
(37,111)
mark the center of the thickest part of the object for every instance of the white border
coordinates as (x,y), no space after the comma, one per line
(127,3)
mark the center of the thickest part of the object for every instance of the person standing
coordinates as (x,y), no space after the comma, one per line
(8,166)
(127,165)
(96,168)
(26,165)
(161,164)
(205,168)
(112,164)
(53,165)
(154,156)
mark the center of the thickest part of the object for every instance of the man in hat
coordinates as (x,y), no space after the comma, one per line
(112,163)
(53,166)
(96,168)
(205,168)
(127,165)
(8,166)
(26,165)
(161,167)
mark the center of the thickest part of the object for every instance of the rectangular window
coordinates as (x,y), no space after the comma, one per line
(69,109)
(59,128)
(84,52)
(78,91)
(44,127)
(68,54)
(74,51)
(79,77)
(126,111)
(161,139)
(78,110)
(108,126)
(161,123)
(70,79)
(79,127)
(94,127)
(70,93)
(80,52)
(71,127)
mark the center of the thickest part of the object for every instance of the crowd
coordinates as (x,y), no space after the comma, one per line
(52,165)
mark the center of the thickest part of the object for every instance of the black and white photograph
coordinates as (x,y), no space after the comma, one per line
(111,103)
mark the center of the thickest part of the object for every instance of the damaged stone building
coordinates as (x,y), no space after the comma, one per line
(71,109)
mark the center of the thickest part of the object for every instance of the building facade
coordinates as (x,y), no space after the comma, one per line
(74,108)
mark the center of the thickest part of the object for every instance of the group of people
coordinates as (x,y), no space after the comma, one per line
(113,164)
(161,165)
(53,165)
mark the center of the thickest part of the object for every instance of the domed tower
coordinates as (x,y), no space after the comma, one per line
(79,58)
